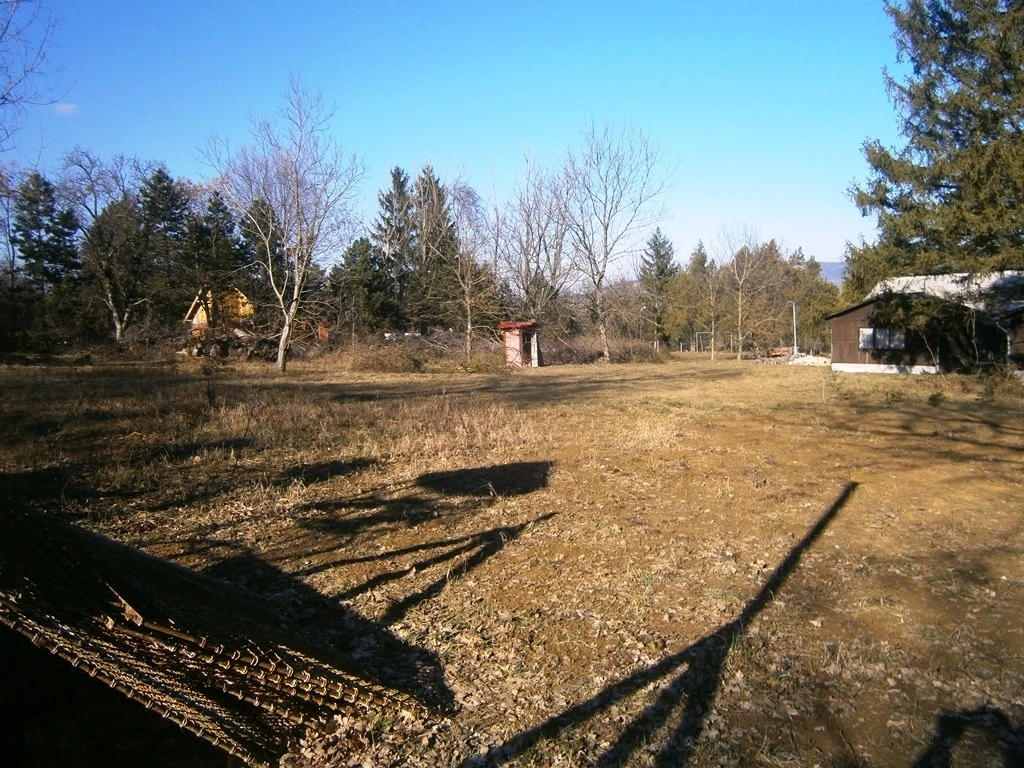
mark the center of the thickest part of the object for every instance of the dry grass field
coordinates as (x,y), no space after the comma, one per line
(691,563)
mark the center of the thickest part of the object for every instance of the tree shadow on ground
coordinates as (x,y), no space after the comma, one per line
(686,698)
(391,661)
(322,471)
(990,733)
(179,452)
(464,558)
(213,485)
(475,487)
(41,488)
(514,479)
(481,486)
(346,518)
(523,389)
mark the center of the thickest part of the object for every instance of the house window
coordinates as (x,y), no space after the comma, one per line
(883,338)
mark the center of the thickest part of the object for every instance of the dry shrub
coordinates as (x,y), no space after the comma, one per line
(586,348)
(386,357)
(570,350)
(443,352)
(1000,383)
(636,351)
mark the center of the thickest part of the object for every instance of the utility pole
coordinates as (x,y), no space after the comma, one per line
(793,303)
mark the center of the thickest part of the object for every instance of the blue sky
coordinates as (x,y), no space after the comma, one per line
(762,106)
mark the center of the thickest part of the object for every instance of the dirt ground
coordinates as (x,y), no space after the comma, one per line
(694,563)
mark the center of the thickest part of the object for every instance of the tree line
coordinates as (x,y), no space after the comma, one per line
(119,249)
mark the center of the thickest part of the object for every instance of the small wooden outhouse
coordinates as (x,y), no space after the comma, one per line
(522,343)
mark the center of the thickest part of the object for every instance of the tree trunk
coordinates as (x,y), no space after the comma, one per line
(606,352)
(469,335)
(739,326)
(282,344)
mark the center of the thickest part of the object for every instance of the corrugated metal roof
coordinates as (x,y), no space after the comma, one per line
(994,292)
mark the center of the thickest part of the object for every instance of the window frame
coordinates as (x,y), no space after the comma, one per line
(872,339)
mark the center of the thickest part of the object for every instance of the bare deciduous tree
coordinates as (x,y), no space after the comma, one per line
(26,34)
(8,250)
(736,250)
(474,280)
(611,185)
(752,270)
(294,189)
(530,243)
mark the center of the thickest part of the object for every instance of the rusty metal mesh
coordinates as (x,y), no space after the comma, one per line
(197,651)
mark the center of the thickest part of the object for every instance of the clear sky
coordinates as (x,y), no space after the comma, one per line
(762,106)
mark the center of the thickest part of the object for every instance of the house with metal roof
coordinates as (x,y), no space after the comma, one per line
(932,323)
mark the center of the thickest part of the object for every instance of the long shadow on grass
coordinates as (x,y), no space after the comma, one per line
(213,486)
(686,698)
(322,471)
(523,390)
(463,559)
(42,489)
(925,433)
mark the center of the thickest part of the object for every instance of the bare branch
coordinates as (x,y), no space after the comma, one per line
(26,35)
(531,242)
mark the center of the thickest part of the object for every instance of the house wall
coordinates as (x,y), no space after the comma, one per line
(513,348)
(846,349)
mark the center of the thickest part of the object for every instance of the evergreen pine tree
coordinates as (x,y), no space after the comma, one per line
(362,290)
(45,237)
(44,234)
(435,249)
(393,236)
(952,199)
(164,209)
(657,268)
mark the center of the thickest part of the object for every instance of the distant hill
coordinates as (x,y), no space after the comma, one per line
(833,271)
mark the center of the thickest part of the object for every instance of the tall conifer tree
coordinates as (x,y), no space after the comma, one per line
(44,234)
(657,268)
(164,209)
(393,238)
(952,199)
